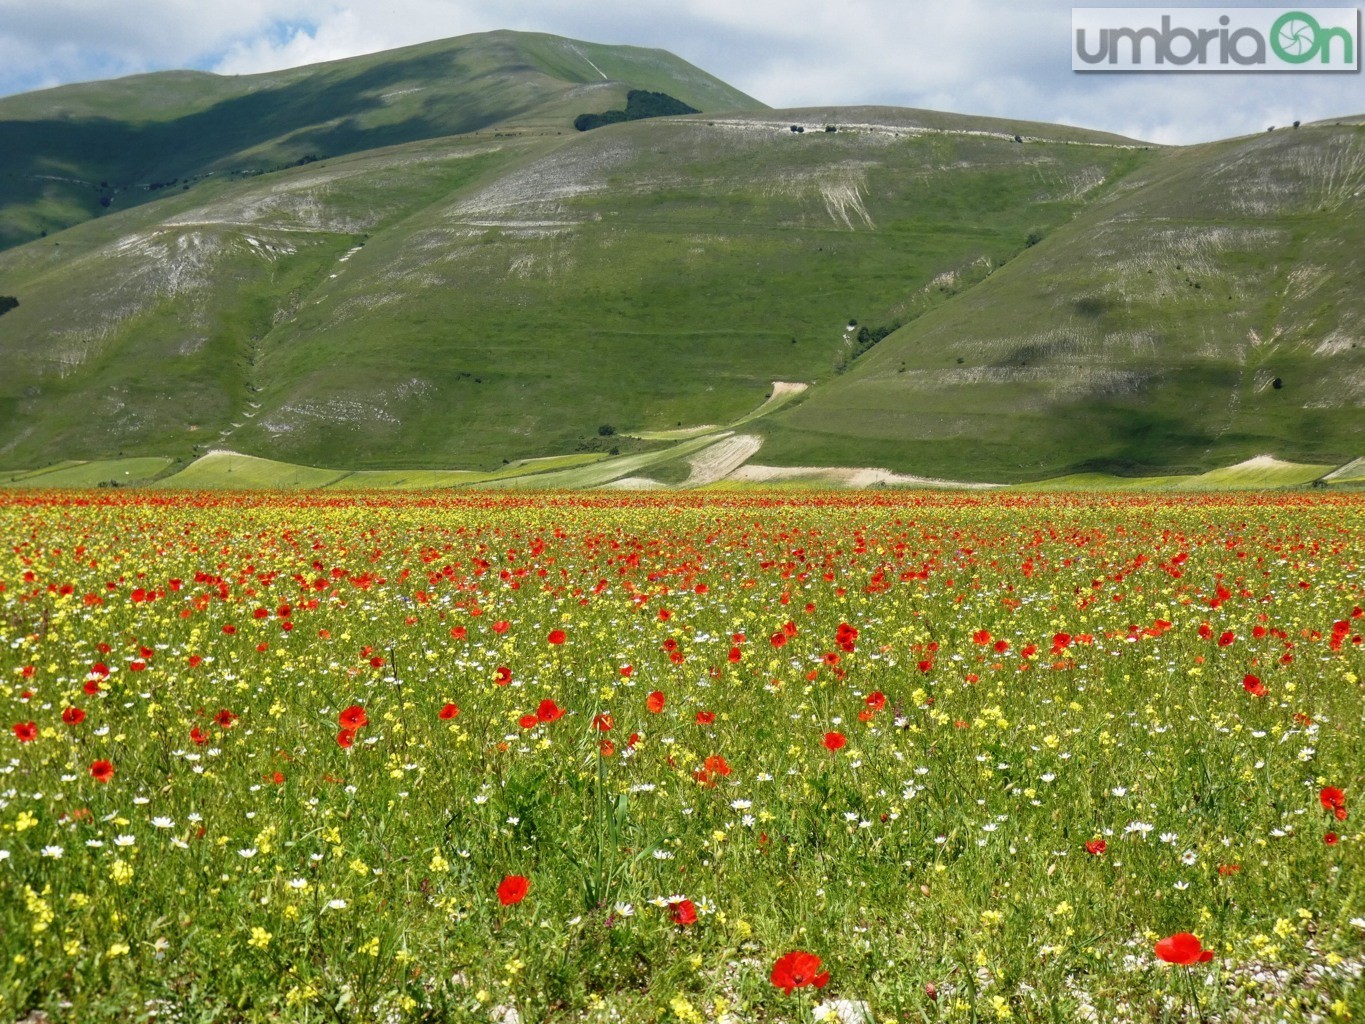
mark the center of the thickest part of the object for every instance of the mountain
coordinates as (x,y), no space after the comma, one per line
(1210,308)
(71,153)
(460,280)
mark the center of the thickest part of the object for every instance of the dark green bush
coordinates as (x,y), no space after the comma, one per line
(640,104)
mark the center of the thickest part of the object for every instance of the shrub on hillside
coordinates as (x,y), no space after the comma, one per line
(7,302)
(640,104)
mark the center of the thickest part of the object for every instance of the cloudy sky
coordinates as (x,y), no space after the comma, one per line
(997,57)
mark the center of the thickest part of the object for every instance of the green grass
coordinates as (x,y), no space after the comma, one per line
(1102,482)
(1240,478)
(606,470)
(16,475)
(246,472)
(677,434)
(119,472)
(398,479)
(1275,476)
(1351,473)
(407,479)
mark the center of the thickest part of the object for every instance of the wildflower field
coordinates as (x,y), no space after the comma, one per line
(730,757)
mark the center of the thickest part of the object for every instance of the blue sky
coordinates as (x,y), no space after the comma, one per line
(993,57)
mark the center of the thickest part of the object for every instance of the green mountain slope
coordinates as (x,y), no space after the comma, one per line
(66,151)
(512,295)
(463,281)
(1208,310)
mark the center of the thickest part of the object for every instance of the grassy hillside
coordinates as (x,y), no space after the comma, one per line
(470,300)
(462,282)
(1208,310)
(78,151)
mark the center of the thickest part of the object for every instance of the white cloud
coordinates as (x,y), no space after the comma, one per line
(990,57)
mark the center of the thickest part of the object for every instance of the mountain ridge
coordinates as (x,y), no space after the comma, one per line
(518,289)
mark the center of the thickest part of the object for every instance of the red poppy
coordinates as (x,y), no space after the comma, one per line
(735,654)
(603,722)
(1331,839)
(448,712)
(778,639)
(1229,869)
(557,637)
(981,637)
(225,718)
(1332,799)
(345,738)
(1226,639)
(352,718)
(199,736)
(1254,686)
(501,626)
(549,711)
(102,771)
(512,889)
(876,700)
(654,703)
(1183,949)
(717,764)
(73,716)
(528,721)
(1095,847)
(834,741)
(682,912)
(26,731)
(502,675)
(798,969)
(705,717)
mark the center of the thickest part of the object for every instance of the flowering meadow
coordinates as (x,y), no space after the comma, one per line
(877,757)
